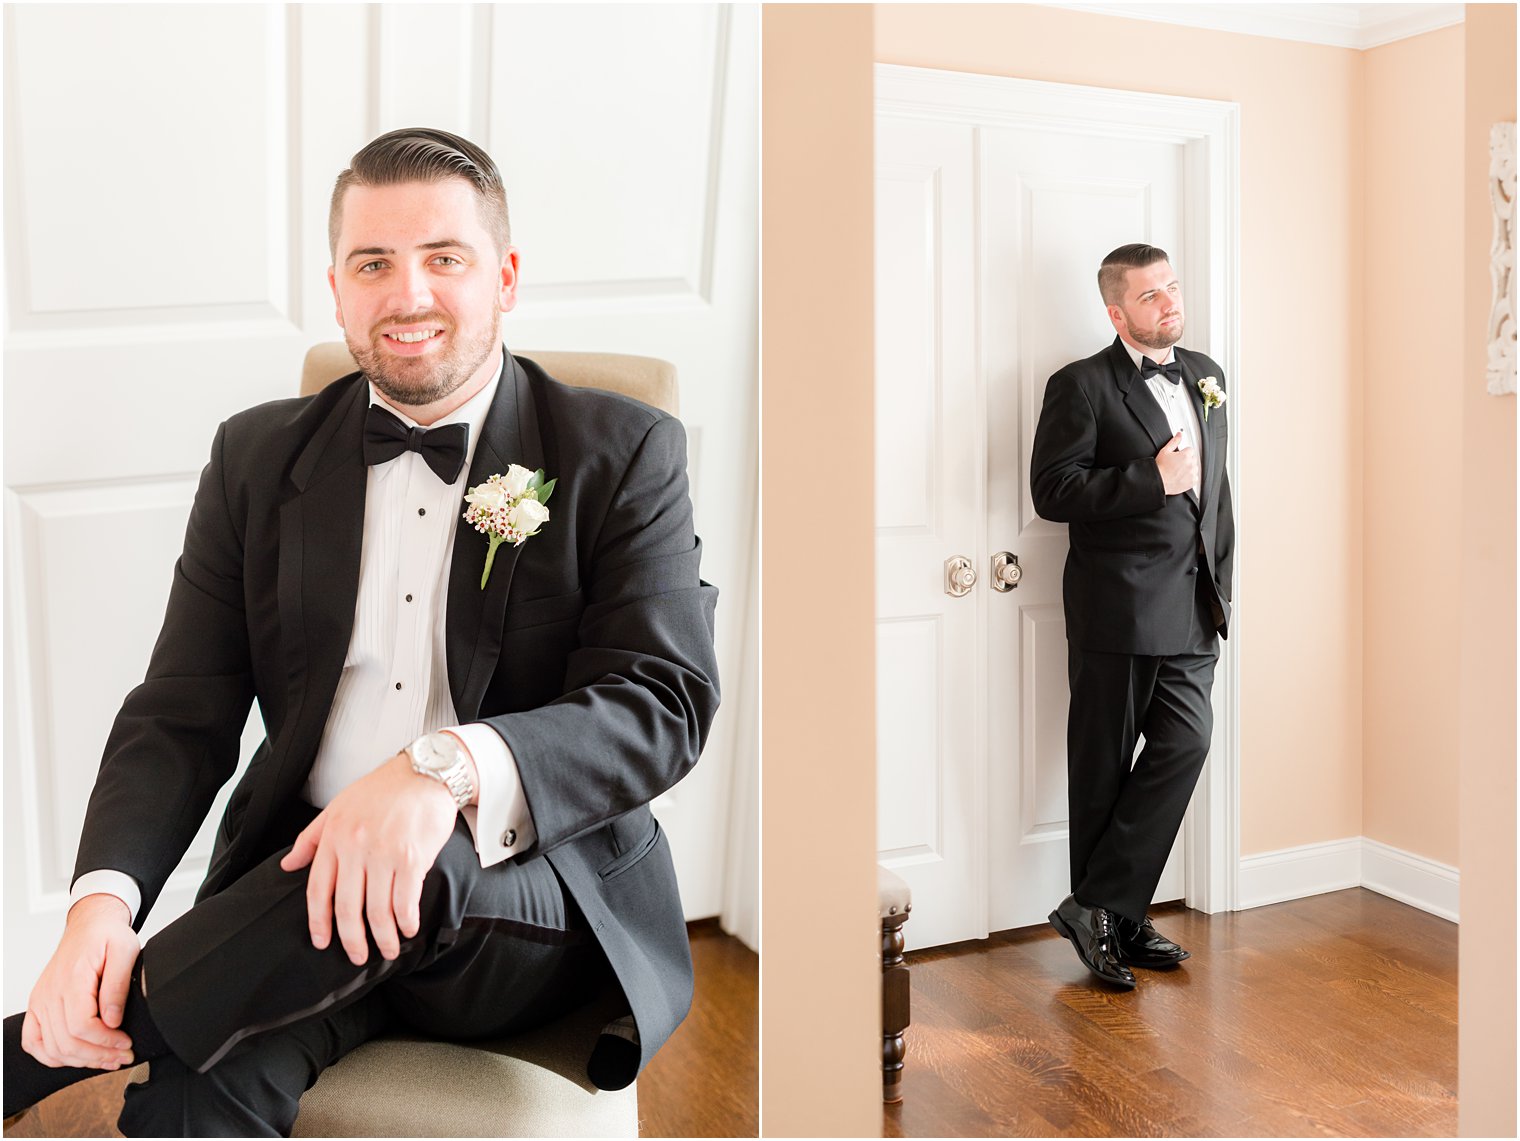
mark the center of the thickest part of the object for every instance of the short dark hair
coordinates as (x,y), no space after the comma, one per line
(1136,255)
(424,154)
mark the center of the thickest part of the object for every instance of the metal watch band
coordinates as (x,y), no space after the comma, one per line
(439,756)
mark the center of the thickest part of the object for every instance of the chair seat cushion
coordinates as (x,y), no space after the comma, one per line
(892,892)
(530,1085)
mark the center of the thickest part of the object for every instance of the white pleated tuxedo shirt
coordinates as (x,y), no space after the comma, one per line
(1174,400)
(395,685)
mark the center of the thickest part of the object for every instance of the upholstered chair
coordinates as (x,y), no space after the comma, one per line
(528,1085)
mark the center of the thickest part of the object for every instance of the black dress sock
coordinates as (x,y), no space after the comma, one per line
(28,1081)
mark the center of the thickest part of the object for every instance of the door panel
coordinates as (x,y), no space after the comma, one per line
(927,503)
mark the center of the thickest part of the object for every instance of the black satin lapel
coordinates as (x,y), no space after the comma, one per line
(321,536)
(509,436)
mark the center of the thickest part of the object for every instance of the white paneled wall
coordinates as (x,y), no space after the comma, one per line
(167,173)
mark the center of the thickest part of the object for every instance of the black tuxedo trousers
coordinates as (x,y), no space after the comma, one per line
(254,1013)
(1124,819)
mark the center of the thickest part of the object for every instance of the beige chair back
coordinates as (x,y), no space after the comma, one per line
(644,378)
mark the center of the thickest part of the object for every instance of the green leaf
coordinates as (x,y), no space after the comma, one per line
(536,480)
(546,490)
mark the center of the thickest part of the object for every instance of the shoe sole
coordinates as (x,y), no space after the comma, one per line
(1066,932)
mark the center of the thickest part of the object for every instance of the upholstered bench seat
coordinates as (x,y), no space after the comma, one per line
(529,1085)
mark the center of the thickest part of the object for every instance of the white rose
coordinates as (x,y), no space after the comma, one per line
(528,516)
(488,496)
(516,480)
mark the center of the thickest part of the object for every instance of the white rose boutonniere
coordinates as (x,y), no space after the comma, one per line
(516,481)
(1213,395)
(508,509)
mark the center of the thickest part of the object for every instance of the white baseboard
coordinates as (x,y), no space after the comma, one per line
(1410,879)
(1293,873)
(1313,869)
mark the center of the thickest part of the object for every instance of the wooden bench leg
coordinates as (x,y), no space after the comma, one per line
(894,1005)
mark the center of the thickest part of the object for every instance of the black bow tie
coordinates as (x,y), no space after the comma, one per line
(1171,370)
(386,437)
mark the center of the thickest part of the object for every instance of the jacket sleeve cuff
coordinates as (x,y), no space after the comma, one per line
(499,819)
(108,882)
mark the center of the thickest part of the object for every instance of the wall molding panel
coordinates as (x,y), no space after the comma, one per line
(669,189)
(158,215)
(72,558)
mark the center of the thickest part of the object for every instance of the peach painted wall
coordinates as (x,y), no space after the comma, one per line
(1486,967)
(1412,438)
(820,965)
(1300,503)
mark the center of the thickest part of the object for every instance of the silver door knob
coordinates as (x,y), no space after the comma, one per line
(1006,571)
(960,576)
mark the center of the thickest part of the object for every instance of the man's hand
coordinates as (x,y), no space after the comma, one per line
(369,851)
(74,1012)
(1178,464)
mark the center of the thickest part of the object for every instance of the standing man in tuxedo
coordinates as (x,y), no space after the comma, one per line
(1130,451)
(447,826)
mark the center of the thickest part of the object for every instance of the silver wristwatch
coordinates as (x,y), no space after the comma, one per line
(440,756)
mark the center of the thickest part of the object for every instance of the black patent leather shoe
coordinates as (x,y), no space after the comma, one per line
(1141,945)
(1091,931)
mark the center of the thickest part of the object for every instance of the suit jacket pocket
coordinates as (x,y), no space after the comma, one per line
(634,854)
(543,611)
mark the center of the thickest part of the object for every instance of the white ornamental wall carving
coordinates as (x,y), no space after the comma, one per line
(1501,322)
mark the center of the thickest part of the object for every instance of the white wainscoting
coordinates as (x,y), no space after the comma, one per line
(1333,865)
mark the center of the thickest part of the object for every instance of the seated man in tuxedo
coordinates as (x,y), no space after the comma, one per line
(447,827)
(1130,451)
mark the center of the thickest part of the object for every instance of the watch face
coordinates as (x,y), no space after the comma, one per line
(434,755)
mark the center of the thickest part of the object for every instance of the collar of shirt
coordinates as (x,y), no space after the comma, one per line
(1136,355)
(472,413)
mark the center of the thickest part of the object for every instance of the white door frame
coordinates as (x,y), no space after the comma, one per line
(1209,132)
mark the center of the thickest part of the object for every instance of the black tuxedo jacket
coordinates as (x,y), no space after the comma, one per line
(590,651)
(1131,574)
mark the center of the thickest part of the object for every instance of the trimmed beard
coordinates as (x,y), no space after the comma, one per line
(1159,339)
(418,381)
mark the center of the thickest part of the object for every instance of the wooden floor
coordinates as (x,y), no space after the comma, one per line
(1329,1016)
(704,1083)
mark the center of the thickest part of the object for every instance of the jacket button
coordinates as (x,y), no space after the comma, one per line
(1192,570)
(510,838)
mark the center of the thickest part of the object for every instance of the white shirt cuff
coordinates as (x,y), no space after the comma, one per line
(499,820)
(108,882)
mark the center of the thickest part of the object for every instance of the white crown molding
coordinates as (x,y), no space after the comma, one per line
(1359,26)
(1313,869)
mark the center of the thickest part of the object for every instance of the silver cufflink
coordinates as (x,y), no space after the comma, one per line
(510,838)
